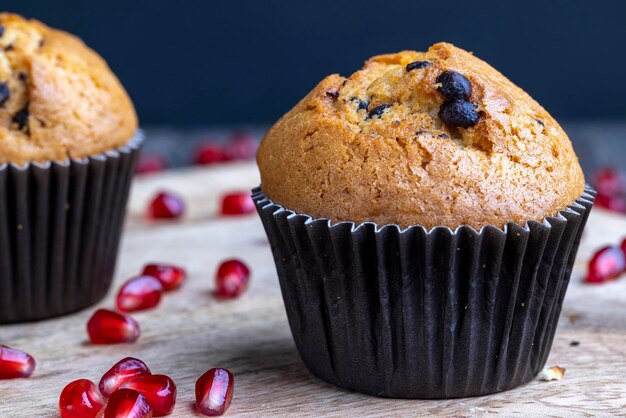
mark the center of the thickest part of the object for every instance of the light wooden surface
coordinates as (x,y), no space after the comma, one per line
(191,332)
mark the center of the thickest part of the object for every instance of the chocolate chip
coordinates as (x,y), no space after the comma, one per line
(574,343)
(21,118)
(378,111)
(8,48)
(333,94)
(459,113)
(362,104)
(454,86)
(5,93)
(1,30)
(416,65)
(22,76)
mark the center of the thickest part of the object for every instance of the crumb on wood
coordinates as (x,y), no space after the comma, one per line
(573,317)
(549,374)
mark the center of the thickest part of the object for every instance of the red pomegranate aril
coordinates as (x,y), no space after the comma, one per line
(210,153)
(126,368)
(169,275)
(80,399)
(127,403)
(606,264)
(159,390)
(615,203)
(609,182)
(237,204)
(109,327)
(15,363)
(166,205)
(623,247)
(214,391)
(232,279)
(139,293)
(150,163)
(241,146)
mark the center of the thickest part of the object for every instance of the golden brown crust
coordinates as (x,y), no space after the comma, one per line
(328,158)
(64,100)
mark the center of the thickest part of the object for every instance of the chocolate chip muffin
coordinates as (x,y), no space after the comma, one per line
(58,98)
(68,146)
(421,138)
(424,215)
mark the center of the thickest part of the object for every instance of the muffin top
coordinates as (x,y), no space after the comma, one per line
(436,138)
(58,98)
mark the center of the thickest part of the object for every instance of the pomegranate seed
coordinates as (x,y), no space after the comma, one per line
(616,203)
(214,391)
(210,153)
(139,293)
(159,390)
(166,206)
(15,363)
(241,146)
(623,247)
(231,279)
(169,275)
(108,327)
(610,182)
(127,403)
(124,369)
(150,163)
(237,204)
(80,399)
(606,264)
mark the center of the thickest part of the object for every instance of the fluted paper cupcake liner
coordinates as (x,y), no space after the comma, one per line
(60,226)
(419,313)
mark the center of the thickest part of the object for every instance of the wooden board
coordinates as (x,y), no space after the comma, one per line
(191,331)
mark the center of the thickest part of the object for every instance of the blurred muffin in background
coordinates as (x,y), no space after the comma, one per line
(68,146)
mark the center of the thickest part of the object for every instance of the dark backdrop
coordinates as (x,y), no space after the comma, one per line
(209,62)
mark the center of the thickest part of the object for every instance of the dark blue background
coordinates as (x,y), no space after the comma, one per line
(192,62)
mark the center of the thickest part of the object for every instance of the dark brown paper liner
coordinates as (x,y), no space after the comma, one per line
(60,226)
(423,314)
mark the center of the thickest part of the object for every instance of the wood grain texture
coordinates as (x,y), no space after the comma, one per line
(191,332)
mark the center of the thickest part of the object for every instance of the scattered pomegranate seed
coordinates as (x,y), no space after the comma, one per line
(123,370)
(80,399)
(169,275)
(159,390)
(166,206)
(623,247)
(237,204)
(150,163)
(15,363)
(606,264)
(109,327)
(214,391)
(241,146)
(231,279)
(127,403)
(210,153)
(139,293)
(615,203)
(610,182)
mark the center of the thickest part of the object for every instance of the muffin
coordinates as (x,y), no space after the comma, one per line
(424,215)
(68,147)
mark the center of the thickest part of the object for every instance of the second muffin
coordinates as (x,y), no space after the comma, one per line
(68,147)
